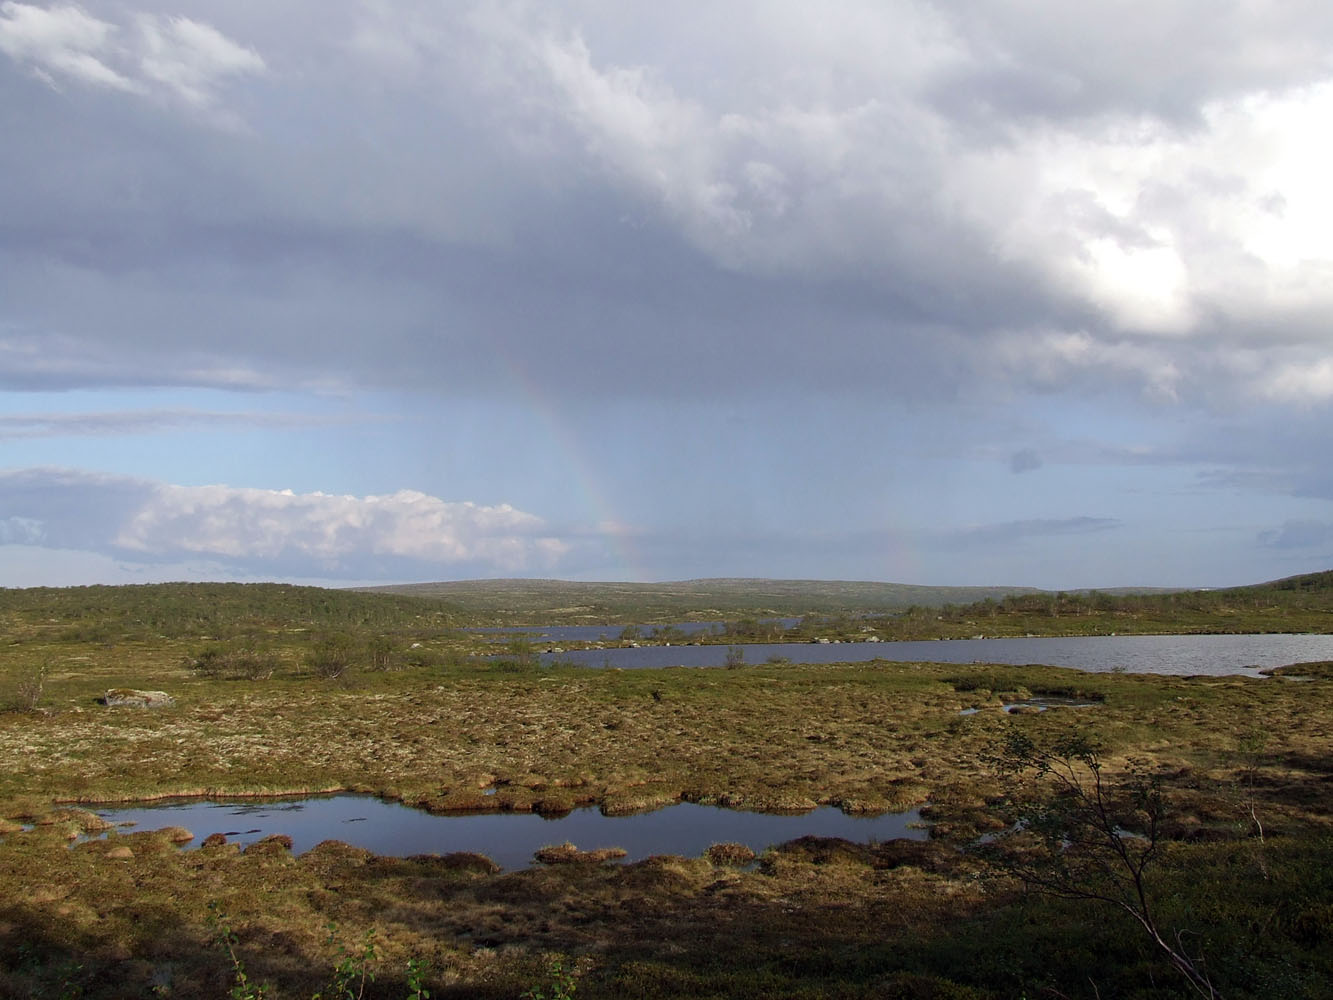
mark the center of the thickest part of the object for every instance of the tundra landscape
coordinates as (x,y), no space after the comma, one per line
(569,500)
(277,691)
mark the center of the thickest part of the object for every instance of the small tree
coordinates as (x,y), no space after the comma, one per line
(382,654)
(1083,835)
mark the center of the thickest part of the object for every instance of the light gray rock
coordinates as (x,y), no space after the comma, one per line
(132,698)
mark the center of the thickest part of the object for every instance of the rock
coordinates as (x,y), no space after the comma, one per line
(132,698)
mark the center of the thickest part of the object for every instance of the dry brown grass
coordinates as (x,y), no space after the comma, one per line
(864,737)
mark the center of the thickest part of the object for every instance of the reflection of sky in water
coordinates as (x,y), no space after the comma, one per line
(509,839)
(1137,654)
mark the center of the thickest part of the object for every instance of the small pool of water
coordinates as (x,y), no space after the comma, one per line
(1042,704)
(1036,704)
(508,839)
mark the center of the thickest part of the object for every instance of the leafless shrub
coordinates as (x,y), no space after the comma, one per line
(30,688)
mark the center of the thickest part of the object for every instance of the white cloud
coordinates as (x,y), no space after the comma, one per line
(1169,231)
(306,534)
(1310,382)
(190,58)
(253,523)
(162,56)
(62,41)
(1218,225)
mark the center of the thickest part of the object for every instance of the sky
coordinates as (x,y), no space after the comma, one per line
(993,292)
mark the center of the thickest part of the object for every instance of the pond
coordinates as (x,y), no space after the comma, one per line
(508,839)
(1186,655)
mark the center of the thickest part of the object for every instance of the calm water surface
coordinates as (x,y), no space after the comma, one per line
(1137,654)
(508,839)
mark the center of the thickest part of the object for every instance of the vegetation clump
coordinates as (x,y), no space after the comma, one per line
(567,854)
(241,660)
(29,688)
(730,854)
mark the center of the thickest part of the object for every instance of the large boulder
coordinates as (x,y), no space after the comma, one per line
(132,698)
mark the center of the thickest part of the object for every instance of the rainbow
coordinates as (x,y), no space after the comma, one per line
(628,562)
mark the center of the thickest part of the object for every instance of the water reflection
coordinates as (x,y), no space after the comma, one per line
(509,839)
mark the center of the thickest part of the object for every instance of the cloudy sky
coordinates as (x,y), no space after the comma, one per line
(1014,292)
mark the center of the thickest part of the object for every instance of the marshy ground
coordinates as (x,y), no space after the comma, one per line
(127,915)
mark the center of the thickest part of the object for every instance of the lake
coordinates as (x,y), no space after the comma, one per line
(610,633)
(1186,655)
(509,839)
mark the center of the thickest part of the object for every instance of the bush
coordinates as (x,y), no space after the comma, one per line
(383,654)
(332,656)
(519,654)
(29,689)
(423,657)
(1081,833)
(240,661)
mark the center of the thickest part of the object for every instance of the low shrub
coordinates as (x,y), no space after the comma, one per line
(241,661)
(332,655)
(29,689)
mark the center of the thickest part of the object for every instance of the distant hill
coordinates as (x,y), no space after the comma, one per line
(1306,583)
(1293,604)
(552,601)
(215,609)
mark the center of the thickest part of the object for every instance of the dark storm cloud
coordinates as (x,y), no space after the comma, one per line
(1298,535)
(67,509)
(17,427)
(1012,531)
(1024,460)
(411,195)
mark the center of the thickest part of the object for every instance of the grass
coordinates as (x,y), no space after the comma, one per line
(127,915)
